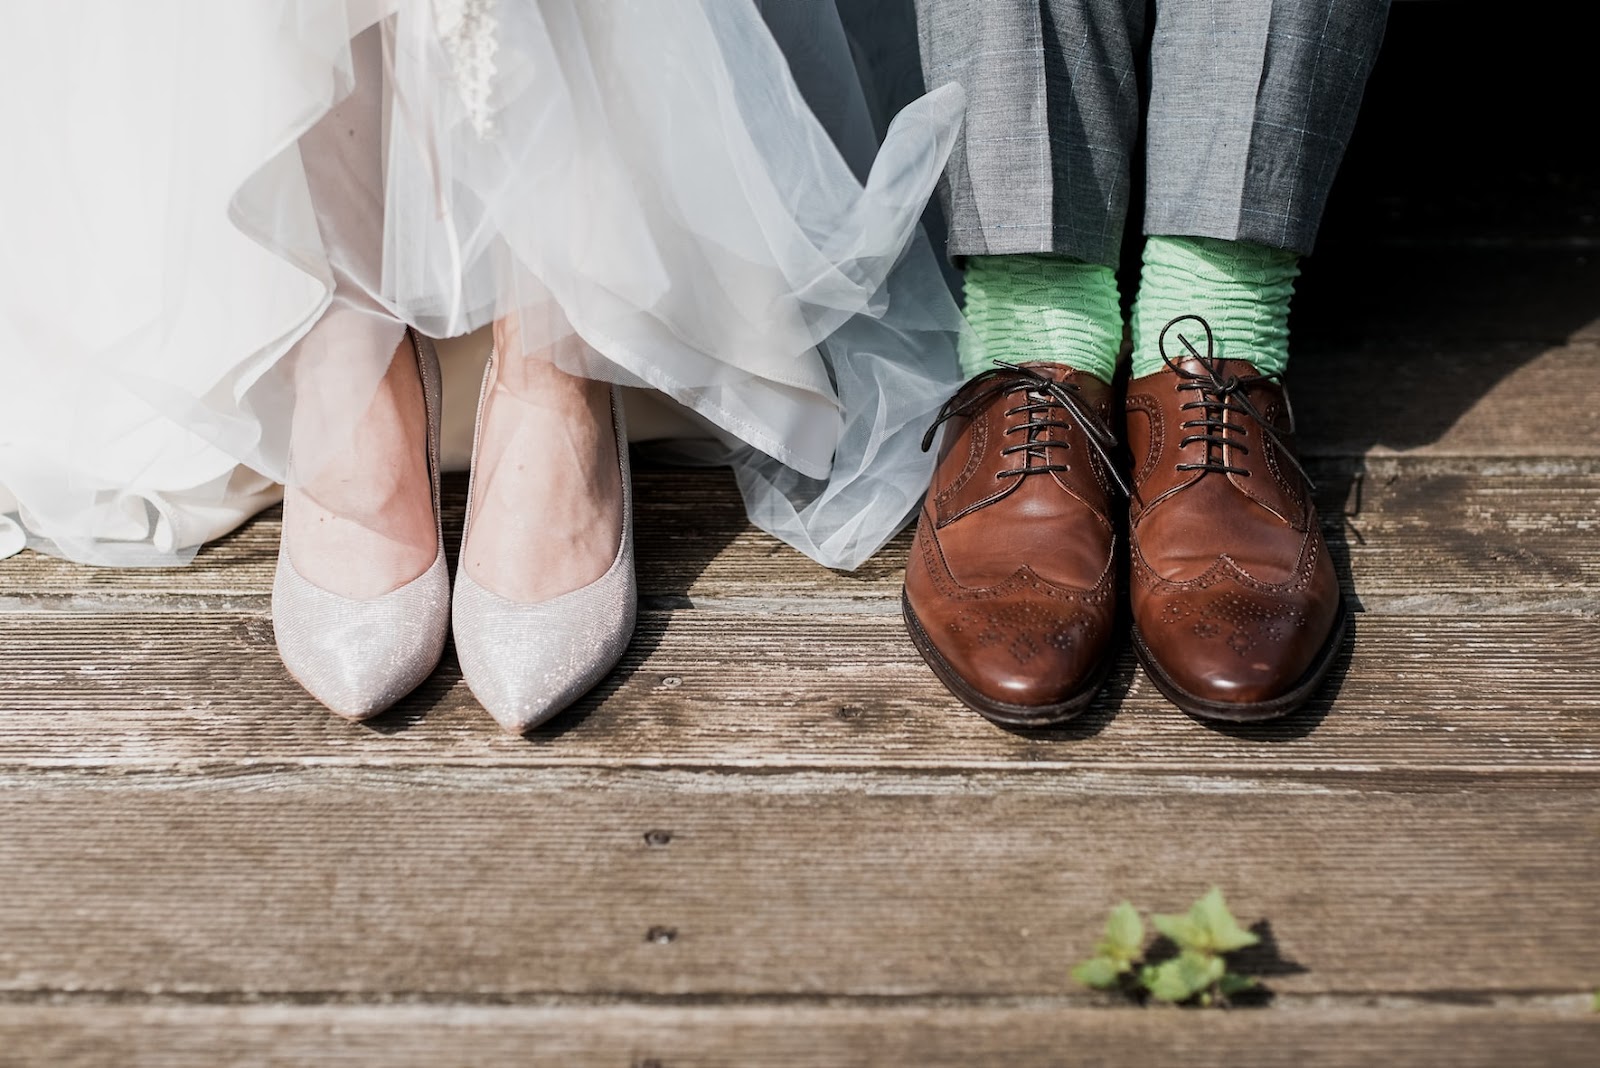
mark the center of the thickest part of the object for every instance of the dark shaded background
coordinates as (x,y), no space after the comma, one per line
(1466,208)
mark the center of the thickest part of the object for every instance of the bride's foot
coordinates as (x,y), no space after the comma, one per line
(546,597)
(546,513)
(362,523)
(361,598)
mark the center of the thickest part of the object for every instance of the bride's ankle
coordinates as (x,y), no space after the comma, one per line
(381,497)
(359,518)
(547,492)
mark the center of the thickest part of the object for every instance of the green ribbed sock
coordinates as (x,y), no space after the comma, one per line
(1042,308)
(1241,289)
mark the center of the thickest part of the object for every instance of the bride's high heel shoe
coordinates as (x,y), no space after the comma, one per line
(527,662)
(358,657)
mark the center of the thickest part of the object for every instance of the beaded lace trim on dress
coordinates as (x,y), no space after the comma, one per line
(468,29)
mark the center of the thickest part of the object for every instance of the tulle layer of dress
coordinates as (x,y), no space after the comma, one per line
(228,213)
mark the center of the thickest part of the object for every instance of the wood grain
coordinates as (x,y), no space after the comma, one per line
(1047,1036)
(710,689)
(519,883)
(1449,397)
(1409,535)
(794,691)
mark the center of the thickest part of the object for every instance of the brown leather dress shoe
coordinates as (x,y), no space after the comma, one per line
(1011,587)
(1236,607)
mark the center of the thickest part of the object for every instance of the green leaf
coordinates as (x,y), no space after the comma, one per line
(1183,977)
(1182,930)
(1231,984)
(1222,933)
(1099,973)
(1595,1004)
(1124,934)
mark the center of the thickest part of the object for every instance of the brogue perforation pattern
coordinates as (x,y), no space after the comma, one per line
(1242,622)
(1023,628)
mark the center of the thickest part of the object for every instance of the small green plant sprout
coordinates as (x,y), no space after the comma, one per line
(1594,1002)
(1116,953)
(1198,974)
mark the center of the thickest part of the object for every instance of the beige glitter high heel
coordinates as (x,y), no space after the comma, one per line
(527,662)
(358,657)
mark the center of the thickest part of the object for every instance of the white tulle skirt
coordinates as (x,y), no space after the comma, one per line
(219,218)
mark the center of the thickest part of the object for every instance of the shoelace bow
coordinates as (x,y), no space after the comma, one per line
(1221,395)
(1045,397)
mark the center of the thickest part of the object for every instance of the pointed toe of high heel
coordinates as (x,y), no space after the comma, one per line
(527,662)
(360,657)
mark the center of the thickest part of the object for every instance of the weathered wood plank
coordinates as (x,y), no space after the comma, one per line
(1410,535)
(706,688)
(1449,398)
(402,1036)
(518,882)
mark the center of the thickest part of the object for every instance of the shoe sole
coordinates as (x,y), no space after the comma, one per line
(1304,689)
(999,712)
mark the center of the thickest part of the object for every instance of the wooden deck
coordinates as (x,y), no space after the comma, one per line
(770,838)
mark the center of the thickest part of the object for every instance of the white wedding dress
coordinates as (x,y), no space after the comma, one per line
(683,195)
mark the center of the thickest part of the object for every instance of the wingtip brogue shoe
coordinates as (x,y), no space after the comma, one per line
(1237,609)
(1012,586)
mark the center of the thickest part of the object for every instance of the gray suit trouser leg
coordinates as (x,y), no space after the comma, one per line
(1251,105)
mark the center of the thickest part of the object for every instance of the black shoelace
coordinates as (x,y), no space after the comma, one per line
(1222,395)
(1046,403)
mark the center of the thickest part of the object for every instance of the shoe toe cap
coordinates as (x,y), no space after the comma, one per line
(522,695)
(355,689)
(1236,657)
(1022,655)
(1226,682)
(358,658)
(527,663)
